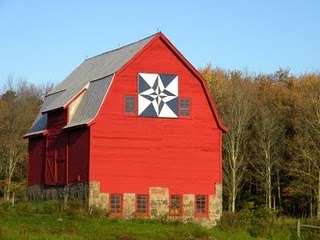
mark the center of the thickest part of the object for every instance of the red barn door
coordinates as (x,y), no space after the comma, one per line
(61,159)
(50,178)
(56,168)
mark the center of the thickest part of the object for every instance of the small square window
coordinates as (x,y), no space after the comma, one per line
(129,104)
(201,205)
(142,204)
(175,205)
(116,203)
(184,107)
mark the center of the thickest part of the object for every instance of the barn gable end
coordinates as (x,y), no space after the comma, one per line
(133,131)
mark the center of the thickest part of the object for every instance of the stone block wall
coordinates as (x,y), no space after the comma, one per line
(159,200)
(188,207)
(159,204)
(96,198)
(72,191)
(129,200)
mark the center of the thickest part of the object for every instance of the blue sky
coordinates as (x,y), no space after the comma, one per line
(43,41)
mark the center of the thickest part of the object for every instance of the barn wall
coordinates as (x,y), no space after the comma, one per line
(56,149)
(36,161)
(131,154)
(77,188)
(56,121)
(78,155)
(58,162)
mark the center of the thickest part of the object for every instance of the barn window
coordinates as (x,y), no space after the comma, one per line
(116,203)
(184,107)
(142,204)
(175,205)
(201,205)
(129,107)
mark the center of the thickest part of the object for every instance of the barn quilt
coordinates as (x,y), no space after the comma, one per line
(158,95)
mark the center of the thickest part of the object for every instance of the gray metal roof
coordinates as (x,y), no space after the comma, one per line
(95,68)
(40,123)
(91,102)
(99,67)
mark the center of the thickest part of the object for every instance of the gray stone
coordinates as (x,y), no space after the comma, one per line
(72,191)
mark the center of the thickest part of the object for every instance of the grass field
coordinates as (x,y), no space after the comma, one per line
(52,220)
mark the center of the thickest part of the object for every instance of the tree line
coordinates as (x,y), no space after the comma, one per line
(271,152)
(20,103)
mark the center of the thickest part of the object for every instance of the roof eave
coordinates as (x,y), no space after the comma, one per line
(53,110)
(36,134)
(81,125)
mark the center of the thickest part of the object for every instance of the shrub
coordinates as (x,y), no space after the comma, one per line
(75,208)
(230,221)
(262,222)
(98,212)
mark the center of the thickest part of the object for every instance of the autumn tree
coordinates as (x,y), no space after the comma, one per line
(233,94)
(19,104)
(306,167)
(268,134)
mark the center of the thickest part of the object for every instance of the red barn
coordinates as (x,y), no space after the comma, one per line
(133,130)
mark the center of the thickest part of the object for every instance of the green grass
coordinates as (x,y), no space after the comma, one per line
(49,220)
(55,226)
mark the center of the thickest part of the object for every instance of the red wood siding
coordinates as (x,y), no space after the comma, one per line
(50,172)
(130,153)
(56,121)
(78,152)
(36,162)
(56,149)
(61,159)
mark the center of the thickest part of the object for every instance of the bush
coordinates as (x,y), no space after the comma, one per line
(99,213)
(75,208)
(230,221)
(262,222)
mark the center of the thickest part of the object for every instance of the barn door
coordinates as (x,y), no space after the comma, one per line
(56,167)
(61,159)
(50,175)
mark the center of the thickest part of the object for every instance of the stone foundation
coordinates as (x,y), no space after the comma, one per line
(72,191)
(158,201)
(96,198)
(159,204)
(188,207)
(129,205)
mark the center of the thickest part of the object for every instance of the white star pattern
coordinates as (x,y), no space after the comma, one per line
(158,95)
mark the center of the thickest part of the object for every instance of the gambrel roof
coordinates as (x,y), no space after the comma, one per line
(95,74)
(92,80)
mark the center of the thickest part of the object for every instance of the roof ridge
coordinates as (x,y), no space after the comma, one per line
(130,44)
(51,93)
(99,79)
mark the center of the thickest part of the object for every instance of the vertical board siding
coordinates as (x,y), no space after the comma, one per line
(78,152)
(50,170)
(131,154)
(56,149)
(61,159)
(56,121)
(36,161)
